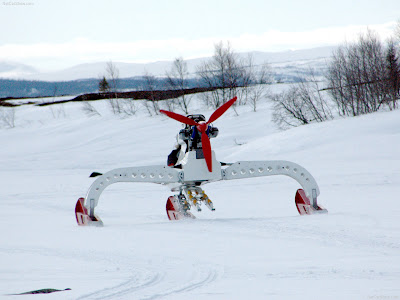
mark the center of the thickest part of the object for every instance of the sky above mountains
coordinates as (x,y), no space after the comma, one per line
(56,34)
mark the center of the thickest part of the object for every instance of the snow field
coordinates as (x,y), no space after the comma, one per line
(255,245)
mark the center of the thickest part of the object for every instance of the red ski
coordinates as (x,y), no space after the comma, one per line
(176,211)
(82,215)
(304,206)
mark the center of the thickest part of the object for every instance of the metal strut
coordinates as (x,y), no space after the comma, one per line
(193,174)
(155,174)
(250,169)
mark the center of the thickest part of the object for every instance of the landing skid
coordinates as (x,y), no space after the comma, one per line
(176,210)
(82,216)
(304,205)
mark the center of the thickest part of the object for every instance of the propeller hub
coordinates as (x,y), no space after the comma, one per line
(202,126)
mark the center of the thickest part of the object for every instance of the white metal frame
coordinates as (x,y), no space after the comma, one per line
(194,172)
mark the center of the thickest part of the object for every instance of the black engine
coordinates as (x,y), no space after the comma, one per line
(192,136)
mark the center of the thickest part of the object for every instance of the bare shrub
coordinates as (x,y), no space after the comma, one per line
(150,84)
(232,76)
(57,110)
(7,116)
(316,101)
(173,104)
(223,72)
(113,74)
(289,110)
(129,107)
(89,109)
(177,79)
(255,82)
(301,104)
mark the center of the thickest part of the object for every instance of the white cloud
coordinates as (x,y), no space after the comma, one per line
(81,50)
(277,40)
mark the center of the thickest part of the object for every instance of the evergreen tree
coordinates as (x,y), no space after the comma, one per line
(103,85)
(393,74)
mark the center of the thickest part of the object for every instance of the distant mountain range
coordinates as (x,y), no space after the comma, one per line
(19,80)
(279,60)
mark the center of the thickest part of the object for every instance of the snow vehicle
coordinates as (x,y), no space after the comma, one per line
(196,165)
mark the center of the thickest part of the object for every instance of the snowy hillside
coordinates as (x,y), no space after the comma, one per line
(254,246)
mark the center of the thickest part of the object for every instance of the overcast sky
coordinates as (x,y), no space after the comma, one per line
(51,34)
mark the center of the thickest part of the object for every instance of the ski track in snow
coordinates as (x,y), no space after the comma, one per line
(202,279)
(126,288)
(157,285)
(145,282)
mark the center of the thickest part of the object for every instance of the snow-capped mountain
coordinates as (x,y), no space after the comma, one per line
(14,70)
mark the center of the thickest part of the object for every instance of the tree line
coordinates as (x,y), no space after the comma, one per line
(11,88)
(224,75)
(362,77)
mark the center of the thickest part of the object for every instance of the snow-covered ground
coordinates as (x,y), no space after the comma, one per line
(254,246)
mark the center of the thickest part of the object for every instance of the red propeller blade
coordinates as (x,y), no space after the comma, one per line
(205,142)
(220,110)
(179,117)
(202,127)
